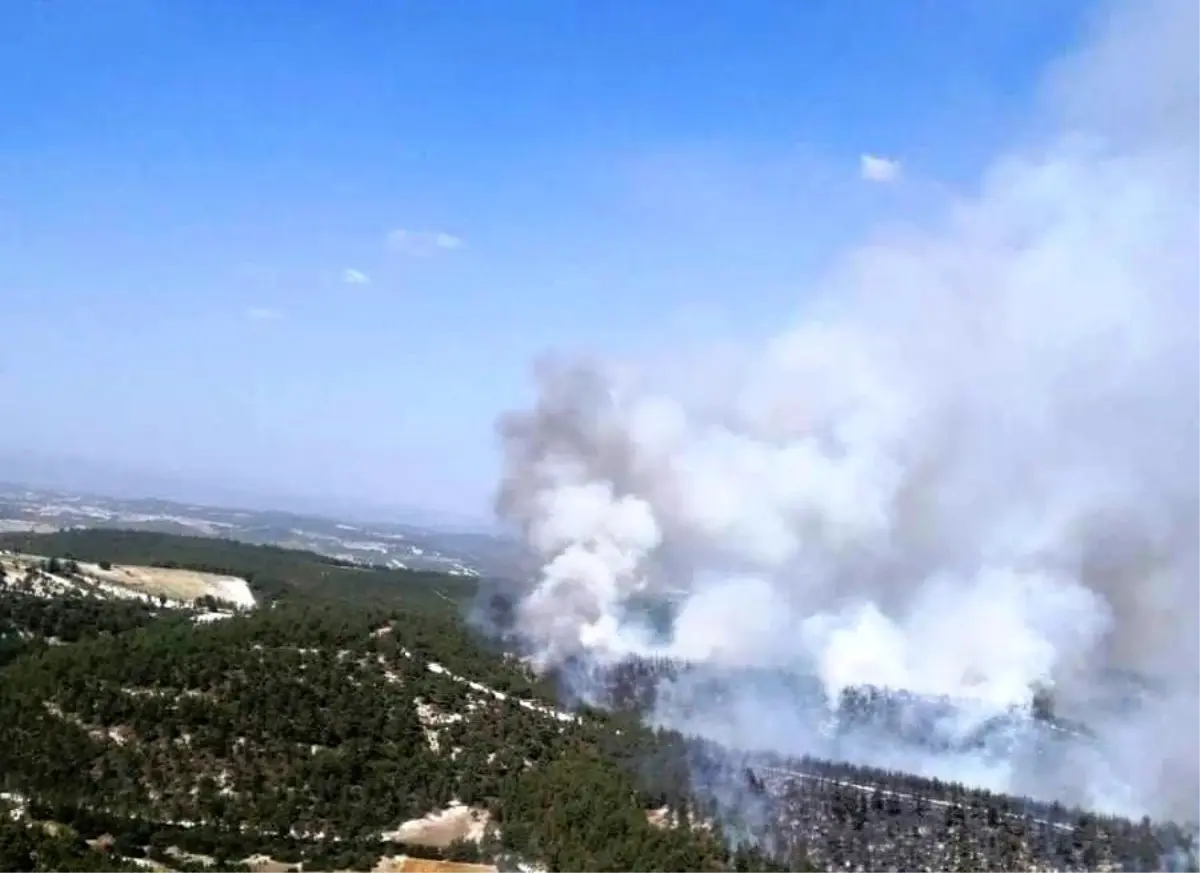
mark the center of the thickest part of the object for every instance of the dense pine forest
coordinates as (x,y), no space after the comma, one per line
(324,726)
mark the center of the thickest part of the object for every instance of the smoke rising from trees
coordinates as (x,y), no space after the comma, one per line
(969,468)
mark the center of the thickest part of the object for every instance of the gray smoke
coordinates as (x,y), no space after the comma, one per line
(970,468)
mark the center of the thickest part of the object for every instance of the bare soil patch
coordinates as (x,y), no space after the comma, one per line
(417,865)
(175,584)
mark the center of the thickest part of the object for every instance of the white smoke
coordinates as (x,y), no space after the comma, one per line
(969,469)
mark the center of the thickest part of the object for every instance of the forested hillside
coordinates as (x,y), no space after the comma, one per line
(354,716)
(313,727)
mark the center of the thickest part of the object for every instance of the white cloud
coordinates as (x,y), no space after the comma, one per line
(873,168)
(423,243)
(351,276)
(262,313)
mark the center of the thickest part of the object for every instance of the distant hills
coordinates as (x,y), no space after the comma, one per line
(391,545)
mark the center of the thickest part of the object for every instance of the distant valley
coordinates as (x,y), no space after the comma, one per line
(395,546)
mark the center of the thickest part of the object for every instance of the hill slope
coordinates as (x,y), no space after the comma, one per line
(353,717)
(325,726)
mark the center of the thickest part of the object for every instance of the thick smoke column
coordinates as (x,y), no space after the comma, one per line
(969,469)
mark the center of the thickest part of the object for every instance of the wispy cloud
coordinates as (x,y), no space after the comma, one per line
(351,276)
(263,313)
(423,243)
(873,168)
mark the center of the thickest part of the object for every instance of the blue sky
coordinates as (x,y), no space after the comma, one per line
(309,250)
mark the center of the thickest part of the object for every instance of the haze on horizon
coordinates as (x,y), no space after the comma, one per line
(307,253)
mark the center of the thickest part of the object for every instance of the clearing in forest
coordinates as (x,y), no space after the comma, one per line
(123,580)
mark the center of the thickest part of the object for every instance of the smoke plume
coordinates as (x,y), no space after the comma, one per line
(968,469)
